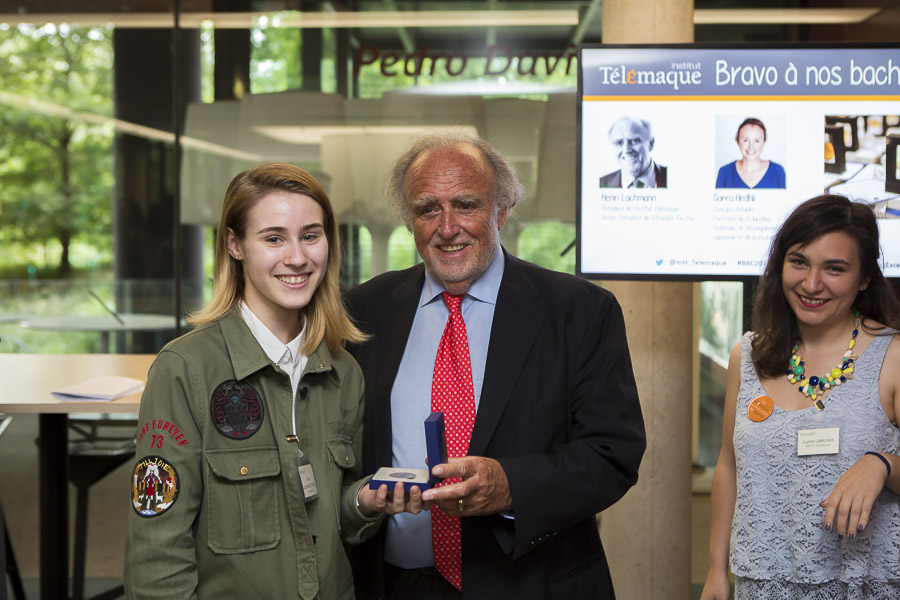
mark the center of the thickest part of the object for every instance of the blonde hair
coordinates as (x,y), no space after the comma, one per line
(326,317)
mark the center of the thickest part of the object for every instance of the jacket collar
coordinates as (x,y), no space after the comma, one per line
(247,357)
(518,317)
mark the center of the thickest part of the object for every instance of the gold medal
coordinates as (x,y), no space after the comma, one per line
(760,409)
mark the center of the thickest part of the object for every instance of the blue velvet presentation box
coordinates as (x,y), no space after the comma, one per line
(436,446)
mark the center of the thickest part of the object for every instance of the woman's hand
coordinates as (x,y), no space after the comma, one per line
(717,586)
(373,502)
(849,505)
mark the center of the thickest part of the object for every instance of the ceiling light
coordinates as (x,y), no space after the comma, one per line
(314,20)
(784,16)
(314,134)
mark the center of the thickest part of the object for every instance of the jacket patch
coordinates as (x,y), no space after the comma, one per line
(157,427)
(154,486)
(236,409)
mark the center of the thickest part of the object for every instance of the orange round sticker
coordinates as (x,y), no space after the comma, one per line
(760,408)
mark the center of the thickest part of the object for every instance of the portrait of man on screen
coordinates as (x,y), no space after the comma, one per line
(632,142)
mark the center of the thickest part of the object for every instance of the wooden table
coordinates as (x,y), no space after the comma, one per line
(28,380)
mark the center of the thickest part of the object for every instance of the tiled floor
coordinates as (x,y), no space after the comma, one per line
(109,507)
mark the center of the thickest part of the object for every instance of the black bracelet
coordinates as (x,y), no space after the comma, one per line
(884,460)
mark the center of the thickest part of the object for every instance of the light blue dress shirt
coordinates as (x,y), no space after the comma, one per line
(408,543)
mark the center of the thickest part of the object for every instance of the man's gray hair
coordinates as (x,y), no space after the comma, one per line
(642,122)
(507,193)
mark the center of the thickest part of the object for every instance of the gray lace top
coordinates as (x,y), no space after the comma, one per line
(778,532)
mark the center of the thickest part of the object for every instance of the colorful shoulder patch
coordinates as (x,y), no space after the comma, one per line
(236,409)
(154,486)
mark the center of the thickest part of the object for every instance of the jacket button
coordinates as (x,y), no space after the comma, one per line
(244,470)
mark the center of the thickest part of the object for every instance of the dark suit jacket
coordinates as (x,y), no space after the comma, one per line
(614,179)
(559,410)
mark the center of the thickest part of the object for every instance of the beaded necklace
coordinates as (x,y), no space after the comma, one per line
(815,388)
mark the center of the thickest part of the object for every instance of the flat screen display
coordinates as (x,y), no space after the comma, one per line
(690,157)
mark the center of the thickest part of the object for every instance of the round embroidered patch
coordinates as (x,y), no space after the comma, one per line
(236,409)
(154,486)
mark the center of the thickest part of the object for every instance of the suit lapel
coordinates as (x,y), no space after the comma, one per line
(392,331)
(517,319)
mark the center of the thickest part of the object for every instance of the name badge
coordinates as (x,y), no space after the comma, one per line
(308,483)
(304,471)
(818,441)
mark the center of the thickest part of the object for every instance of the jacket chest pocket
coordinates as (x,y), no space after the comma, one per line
(341,450)
(242,488)
(342,458)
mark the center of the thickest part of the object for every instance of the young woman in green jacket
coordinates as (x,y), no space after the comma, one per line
(247,480)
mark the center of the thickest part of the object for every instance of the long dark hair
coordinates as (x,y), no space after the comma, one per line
(773,320)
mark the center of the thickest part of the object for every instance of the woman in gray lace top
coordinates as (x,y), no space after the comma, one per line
(805,498)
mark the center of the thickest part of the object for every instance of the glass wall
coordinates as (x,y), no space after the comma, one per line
(110,194)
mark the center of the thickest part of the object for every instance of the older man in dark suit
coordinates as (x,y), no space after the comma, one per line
(543,418)
(633,141)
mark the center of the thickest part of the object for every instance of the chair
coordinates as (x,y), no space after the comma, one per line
(98,444)
(7,557)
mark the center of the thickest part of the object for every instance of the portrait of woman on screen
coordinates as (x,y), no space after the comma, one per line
(751,170)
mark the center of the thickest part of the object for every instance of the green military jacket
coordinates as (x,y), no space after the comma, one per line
(217,505)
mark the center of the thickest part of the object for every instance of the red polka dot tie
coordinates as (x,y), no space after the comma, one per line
(452,393)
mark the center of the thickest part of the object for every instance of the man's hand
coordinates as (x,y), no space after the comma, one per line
(484,489)
(373,502)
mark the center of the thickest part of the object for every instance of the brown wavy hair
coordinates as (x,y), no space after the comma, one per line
(774,322)
(326,318)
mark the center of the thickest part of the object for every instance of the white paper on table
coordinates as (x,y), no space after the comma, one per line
(105,388)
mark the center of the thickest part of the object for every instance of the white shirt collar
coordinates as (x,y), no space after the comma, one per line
(287,356)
